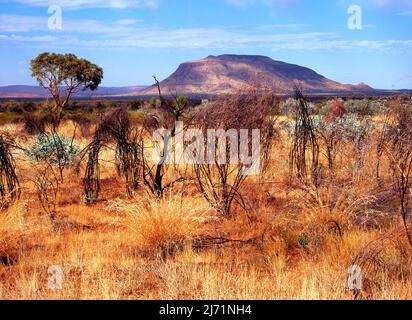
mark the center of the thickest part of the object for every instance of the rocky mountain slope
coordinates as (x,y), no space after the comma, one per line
(235,73)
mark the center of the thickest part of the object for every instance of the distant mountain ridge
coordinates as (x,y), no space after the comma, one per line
(224,74)
(23,91)
(233,73)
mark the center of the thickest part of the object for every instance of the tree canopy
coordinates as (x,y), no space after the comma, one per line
(64,74)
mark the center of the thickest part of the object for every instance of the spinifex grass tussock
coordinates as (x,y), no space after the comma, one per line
(163,227)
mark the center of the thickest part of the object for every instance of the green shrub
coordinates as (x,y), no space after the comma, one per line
(303,241)
(56,149)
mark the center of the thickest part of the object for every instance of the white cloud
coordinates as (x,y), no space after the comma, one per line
(269,3)
(36,39)
(383,4)
(193,38)
(386,3)
(83,4)
(20,24)
(129,34)
(392,45)
(282,26)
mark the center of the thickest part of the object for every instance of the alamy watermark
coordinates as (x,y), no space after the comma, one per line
(355,278)
(55,21)
(355,20)
(55,280)
(214,146)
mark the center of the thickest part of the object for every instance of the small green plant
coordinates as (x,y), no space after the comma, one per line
(303,241)
(56,149)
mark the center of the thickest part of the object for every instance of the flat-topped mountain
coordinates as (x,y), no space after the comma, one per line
(234,73)
(223,74)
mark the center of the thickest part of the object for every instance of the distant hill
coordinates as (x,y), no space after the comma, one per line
(39,92)
(223,74)
(233,73)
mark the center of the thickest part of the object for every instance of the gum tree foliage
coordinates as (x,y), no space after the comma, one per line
(64,74)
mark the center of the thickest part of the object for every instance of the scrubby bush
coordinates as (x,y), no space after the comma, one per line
(220,183)
(135,105)
(365,107)
(289,106)
(33,124)
(153,103)
(57,149)
(21,107)
(83,121)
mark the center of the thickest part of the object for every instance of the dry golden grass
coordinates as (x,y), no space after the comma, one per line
(163,226)
(143,248)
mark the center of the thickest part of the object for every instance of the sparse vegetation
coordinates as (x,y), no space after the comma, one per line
(124,228)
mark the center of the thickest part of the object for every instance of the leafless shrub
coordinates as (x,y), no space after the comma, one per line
(316,144)
(9,182)
(220,181)
(47,182)
(165,117)
(39,123)
(91,181)
(396,144)
(115,125)
(220,184)
(305,150)
(337,131)
(128,161)
(33,124)
(387,256)
(82,122)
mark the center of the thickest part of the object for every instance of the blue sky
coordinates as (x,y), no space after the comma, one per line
(135,39)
